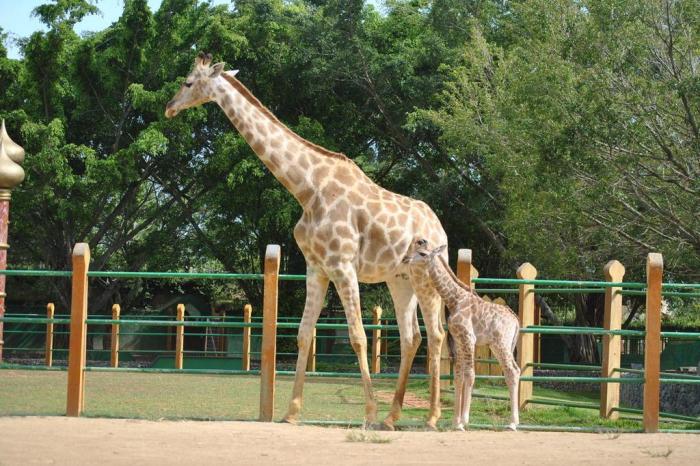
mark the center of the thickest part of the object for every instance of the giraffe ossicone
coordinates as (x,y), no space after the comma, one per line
(471,321)
(351,231)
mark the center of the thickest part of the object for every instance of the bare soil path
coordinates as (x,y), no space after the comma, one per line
(71,441)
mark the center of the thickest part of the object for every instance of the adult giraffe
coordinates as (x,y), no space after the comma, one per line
(351,231)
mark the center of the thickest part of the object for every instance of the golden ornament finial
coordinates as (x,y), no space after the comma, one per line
(12,149)
(11,174)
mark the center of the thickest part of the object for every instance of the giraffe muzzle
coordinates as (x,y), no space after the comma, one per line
(170,110)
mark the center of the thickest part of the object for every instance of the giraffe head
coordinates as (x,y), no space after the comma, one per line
(198,87)
(421,255)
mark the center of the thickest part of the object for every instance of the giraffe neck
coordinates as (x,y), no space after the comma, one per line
(450,291)
(288,156)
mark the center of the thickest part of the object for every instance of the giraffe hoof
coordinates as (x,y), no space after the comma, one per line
(387,425)
(459,427)
(512,427)
(430,426)
(289,419)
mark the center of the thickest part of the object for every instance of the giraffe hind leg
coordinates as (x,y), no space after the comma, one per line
(458,421)
(405,306)
(503,353)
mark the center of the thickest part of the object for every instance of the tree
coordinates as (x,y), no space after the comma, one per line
(581,127)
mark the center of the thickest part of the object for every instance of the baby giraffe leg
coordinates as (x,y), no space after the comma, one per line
(512,380)
(468,381)
(458,422)
(511,371)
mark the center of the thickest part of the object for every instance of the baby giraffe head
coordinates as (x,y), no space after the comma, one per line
(199,86)
(420,255)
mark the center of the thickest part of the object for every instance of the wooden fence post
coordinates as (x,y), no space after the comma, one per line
(526,316)
(311,361)
(247,313)
(114,358)
(268,357)
(376,341)
(652,343)
(48,354)
(78,330)
(179,336)
(612,344)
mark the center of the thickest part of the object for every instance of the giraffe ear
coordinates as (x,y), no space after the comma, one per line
(231,73)
(216,69)
(438,250)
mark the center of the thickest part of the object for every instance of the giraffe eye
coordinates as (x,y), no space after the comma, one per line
(187,84)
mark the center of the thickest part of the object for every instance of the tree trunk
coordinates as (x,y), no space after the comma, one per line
(589,313)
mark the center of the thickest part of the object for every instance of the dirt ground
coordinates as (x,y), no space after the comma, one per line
(71,441)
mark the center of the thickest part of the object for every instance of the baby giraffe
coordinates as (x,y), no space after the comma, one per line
(471,321)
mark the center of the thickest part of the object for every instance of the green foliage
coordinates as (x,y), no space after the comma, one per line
(572,123)
(64,12)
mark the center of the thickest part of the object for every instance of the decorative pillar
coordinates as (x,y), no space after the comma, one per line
(11,174)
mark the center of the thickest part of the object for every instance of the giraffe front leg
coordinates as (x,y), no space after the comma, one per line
(431,305)
(469,376)
(458,421)
(345,281)
(409,331)
(316,288)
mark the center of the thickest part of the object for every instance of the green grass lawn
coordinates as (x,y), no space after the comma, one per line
(221,397)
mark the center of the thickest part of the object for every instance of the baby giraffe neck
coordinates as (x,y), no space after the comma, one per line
(443,283)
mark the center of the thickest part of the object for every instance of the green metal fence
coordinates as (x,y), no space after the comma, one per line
(543,286)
